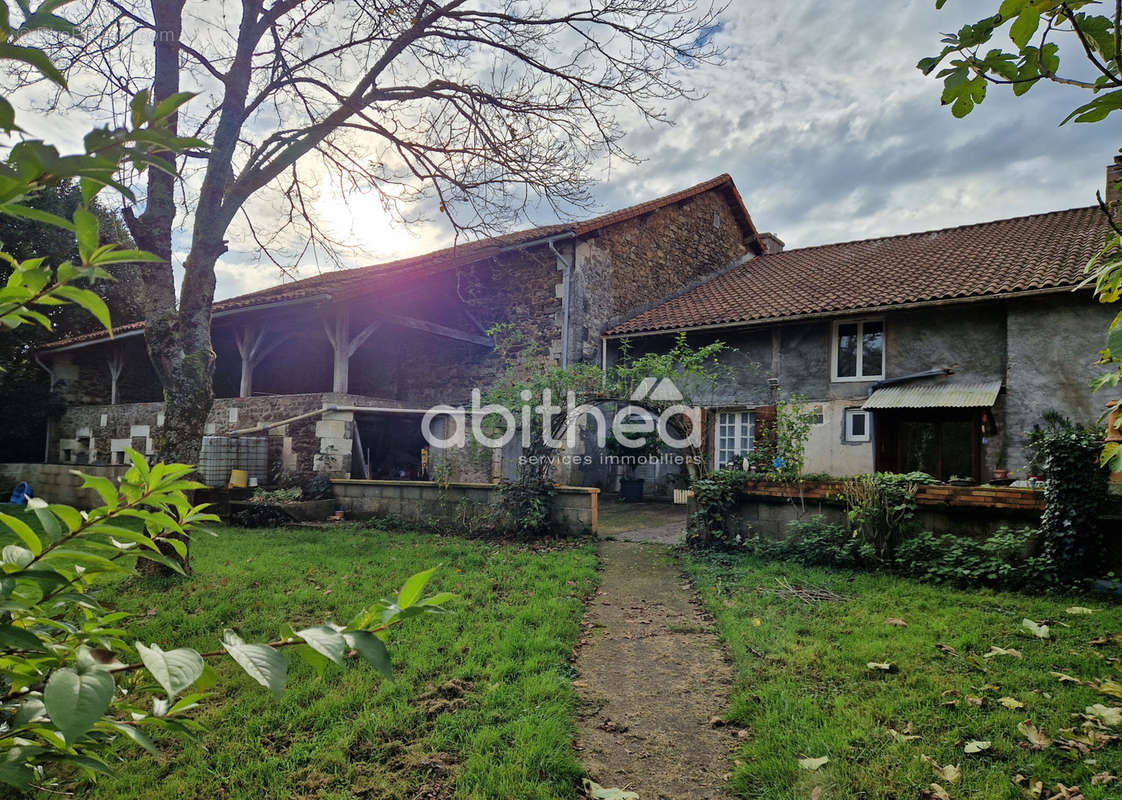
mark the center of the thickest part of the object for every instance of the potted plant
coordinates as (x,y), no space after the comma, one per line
(629,454)
(1000,474)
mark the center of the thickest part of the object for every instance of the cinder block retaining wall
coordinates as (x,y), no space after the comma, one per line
(55,483)
(969,510)
(574,507)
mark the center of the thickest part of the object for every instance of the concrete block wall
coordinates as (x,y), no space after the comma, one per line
(55,483)
(575,508)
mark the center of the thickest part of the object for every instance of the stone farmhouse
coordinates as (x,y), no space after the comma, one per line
(379,345)
(932,351)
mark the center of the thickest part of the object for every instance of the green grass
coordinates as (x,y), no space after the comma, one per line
(804,687)
(354,734)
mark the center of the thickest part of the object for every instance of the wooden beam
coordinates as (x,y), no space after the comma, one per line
(253,347)
(340,343)
(116,367)
(436,329)
(362,336)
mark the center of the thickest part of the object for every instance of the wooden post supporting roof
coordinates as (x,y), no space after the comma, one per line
(344,346)
(253,346)
(116,367)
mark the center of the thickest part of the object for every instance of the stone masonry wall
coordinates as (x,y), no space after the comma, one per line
(636,263)
(99,434)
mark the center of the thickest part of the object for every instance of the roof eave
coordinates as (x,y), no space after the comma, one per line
(847,312)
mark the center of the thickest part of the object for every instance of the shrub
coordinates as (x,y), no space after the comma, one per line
(318,487)
(1006,560)
(285,495)
(1075,490)
(716,496)
(880,508)
(817,543)
(527,506)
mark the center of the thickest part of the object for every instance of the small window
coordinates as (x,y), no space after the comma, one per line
(735,434)
(857,425)
(858,350)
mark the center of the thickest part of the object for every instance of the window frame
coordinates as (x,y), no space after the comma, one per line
(849,436)
(741,415)
(858,378)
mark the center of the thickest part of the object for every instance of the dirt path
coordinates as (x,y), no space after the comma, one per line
(652,677)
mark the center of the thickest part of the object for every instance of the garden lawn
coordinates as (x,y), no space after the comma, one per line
(353,733)
(805,688)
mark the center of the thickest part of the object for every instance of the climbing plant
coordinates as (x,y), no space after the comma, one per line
(1075,488)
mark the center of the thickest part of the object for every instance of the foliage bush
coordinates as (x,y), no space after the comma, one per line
(1006,560)
(715,496)
(318,487)
(261,515)
(282,495)
(527,506)
(880,509)
(1075,490)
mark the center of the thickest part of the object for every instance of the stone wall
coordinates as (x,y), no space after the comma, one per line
(1053,343)
(635,264)
(575,508)
(55,483)
(1043,348)
(99,434)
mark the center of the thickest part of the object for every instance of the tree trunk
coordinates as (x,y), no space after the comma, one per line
(178,340)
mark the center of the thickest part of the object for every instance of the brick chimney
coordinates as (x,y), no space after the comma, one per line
(1113,178)
(773,244)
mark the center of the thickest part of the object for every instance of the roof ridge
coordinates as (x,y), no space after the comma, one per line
(930,231)
(578,227)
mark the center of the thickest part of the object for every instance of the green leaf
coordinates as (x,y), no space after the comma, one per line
(26,535)
(16,555)
(266,665)
(1024,27)
(89,301)
(208,679)
(34,57)
(13,638)
(51,526)
(175,670)
(126,257)
(134,733)
(85,228)
(76,699)
(171,103)
(372,649)
(316,660)
(411,590)
(325,640)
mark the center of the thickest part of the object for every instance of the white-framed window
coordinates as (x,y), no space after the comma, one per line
(858,424)
(857,350)
(734,437)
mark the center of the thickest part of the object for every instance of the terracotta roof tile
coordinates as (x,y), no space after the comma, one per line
(1040,251)
(349,282)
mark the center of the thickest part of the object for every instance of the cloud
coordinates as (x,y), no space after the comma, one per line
(818,114)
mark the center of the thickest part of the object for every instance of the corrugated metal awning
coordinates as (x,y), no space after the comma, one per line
(980,394)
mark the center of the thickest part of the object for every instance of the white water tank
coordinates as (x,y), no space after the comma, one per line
(216,459)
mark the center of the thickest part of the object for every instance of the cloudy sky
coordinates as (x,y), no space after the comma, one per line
(828,129)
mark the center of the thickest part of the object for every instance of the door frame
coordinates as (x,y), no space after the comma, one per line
(888,441)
